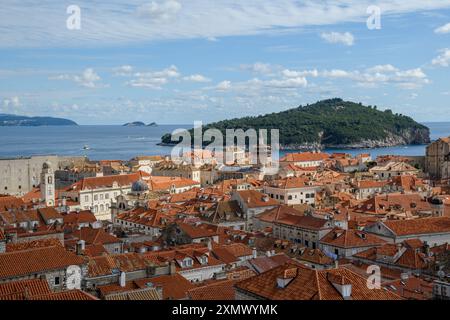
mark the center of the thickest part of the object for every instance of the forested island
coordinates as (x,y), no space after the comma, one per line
(24,121)
(332,123)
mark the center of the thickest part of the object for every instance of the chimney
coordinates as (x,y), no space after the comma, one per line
(255,253)
(172,268)
(336,263)
(122,279)
(81,246)
(209,244)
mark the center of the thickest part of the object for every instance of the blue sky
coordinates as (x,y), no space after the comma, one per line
(176,61)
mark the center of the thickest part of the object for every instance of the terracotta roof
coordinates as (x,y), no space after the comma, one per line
(289,183)
(19,246)
(9,202)
(174,287)
(95,236)
(18,290)
(311,284)
(140,294)
(255,199)
(351,238)
(196,231)
(304,157)
(263,264)
(21,263)
(307,222)
(419,226)
(108,264)
(49,213)
(223,290)
(84,216)
(274,214)
(413,288)
(315,256)
(2,235)
(70,295)
(369,184)
(107,181)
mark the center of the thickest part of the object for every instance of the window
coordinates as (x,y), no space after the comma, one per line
(95,197)
(86,198)
(107,196)
(102,208)
(336,251)
(289,197)
(57,281)
(101,196)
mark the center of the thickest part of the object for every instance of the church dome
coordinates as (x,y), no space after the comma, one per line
(139,186)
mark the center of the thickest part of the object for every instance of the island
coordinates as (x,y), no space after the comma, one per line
(332,123)
(153,124)
(11,120)
(134,124)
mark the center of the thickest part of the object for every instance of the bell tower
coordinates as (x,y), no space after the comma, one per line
(48,184)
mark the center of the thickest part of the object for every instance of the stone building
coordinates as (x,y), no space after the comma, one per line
(437,160)
(19,176)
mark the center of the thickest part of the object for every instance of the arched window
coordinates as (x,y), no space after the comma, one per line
(49,180)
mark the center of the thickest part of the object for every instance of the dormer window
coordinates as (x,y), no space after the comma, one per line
(187,262)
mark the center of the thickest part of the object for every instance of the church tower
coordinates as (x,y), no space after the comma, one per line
(48,185)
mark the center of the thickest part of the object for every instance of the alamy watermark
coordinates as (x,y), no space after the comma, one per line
(250,147)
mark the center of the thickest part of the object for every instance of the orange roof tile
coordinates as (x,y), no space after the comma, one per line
(21,263)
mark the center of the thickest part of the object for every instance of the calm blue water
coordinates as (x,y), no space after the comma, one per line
(117,142)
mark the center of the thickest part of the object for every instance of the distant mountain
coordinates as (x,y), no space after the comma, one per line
(24,121)
(134,124)
(332,123)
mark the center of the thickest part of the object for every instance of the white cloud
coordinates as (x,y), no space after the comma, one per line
(154,79)
(11,102)
(125,70)
(197,78)
(443,29)
(295,74)
(88,78)
(224,86)
(383,68)
(288,83)
(443,59)
(257,67)
(116,21)
(335,37)
(161,10)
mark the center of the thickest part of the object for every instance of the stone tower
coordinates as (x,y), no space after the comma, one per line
(48,184)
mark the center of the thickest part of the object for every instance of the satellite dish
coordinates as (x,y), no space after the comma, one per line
(73,277)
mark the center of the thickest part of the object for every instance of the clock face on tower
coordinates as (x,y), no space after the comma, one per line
(73,274)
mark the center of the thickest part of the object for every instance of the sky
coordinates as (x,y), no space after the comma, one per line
(180,61)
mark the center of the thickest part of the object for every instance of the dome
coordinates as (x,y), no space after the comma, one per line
(139,186)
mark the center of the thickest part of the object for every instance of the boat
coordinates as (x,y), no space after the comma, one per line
(86,147)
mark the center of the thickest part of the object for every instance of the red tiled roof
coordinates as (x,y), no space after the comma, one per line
(18,290)
(71,295)
(174,287)
(351,238)
(256,199)
(419,226)
(304,157)
(107,181)
(223,290)
(311,284)
(19,246)
(21,263)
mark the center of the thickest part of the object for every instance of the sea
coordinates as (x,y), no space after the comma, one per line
(123,143)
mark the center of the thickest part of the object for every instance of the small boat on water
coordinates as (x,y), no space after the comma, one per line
(86,147)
